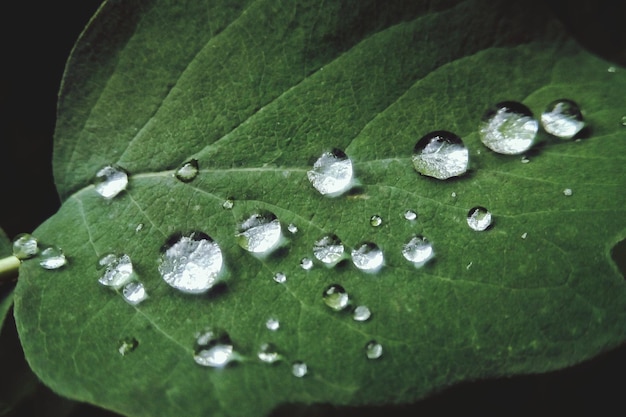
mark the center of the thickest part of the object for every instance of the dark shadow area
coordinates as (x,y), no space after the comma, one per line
(618,254)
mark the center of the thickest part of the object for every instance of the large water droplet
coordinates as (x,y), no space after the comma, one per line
(213,349)
(306,263)
(268,353)
(299,369)
(260,233)
(52,258)
(479,218)
(410,215)
(367,257)
(336,297)
(508,128)
(280,277)
(418,250)
(440,154)
(332,173)
(110,181)
(118,270)
(25,246)
(272,324)
(361,313)
(192,263)
(373,350)
(134,292)
(328,249)
(188,171)
(562,118)
(127,345)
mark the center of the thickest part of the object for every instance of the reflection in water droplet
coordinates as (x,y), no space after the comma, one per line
(373,350)
(567,192)
(268,353)
(332,173)
(440,154)
(52,258)
(134,292)
(367,257)
(213,349)
(328,249)
(418,250)
(299,369)
(562,118)
(280,277)
(110,181)
(479,218)
(118,272)
(127,345)
(376,220)
(272,324)
(260,233)
(188,171)
(192,263)
(306,263)
(336,297)
(228,204)
(25,246)
(293,229)
(410,215)
(508,128)
(361,313)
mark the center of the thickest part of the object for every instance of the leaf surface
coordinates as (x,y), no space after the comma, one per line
(256,93)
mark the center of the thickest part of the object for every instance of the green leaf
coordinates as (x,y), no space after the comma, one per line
(256,93)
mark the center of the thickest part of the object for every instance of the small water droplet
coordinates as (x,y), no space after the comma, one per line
(188,171)
(139,228)
(268,353)
(332,173)
(280,277)
(479,218)
(418,250)
(228,204)
(623,120)
(52,258)
(25,246)
(260,233)
(376,220)
(508,128)
(292,228)
(612,69)
(368,257)
(336,297)
(410,215)
(440,154)
(299,369)
(562,118)
(213,348)
(567,192)
(361,313)
(453,194)
(524,235)
(127,345)
(525,160)
(306,263)
(118,270)
(469,265)
(192,263)
(373,350)
(272,324)
(329,249)
(134,292)
(110,181)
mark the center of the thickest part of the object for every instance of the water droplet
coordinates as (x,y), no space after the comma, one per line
(134,292)
(336,297)
(328,249)
(268,353)
(367,257)
(479,218)
(127,345)
(373,350)
(562,118)
(192,263)
(361,313)
(25,246)
(306,263)
(453,194)
(508,128)
(376,220)
(52,258)
(612,69)
(410,215)
(293,229)
(299,369)
(280,277)
(272,324)
(469,265)
(213,349)
(567,192)
(139,228)
(228,204)
(418,250)
(260,233)
(623,120)
(118,270)
(110,181)
(524,235)
(441,155)
(525,160)
(188,171)
(332,173)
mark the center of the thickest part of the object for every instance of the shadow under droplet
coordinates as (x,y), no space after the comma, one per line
(618,254)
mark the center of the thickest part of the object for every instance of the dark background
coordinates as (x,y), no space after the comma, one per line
(36,39)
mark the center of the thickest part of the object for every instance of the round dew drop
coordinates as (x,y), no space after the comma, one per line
(418,250)
(134,293)
(368,257)
(260,233)
(268,353)
(299,369)
(563,119)
(306,263)
(440,154)
(52,258)
(373,350)
(567,192)
(280,277)
(479,218)
(361,313)
(410,215)
(328,250)
(376,220)
(213,349)
(118,270)
(292,228)
(110,181)
(25,246)
(272,324)
(228,204)
(332,173)
(336,297)
(508,128)
(188,171)
(127,345)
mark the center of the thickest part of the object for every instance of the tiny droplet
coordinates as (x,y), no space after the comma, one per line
(213,349)
(272,324)
(268,353)
(299,369)
(361,313)
(376,220)
(567,192)
(228,204)
(418,250)
(188,171)
(373,350)
(410,215)
(280,277)
(134,292)
(479,218)
(292,228)
(336,297)
(306,263)
(127,345)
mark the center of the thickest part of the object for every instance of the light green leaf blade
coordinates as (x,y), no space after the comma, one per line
(256,94)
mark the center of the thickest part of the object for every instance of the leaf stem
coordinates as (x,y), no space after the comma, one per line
(9,267)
